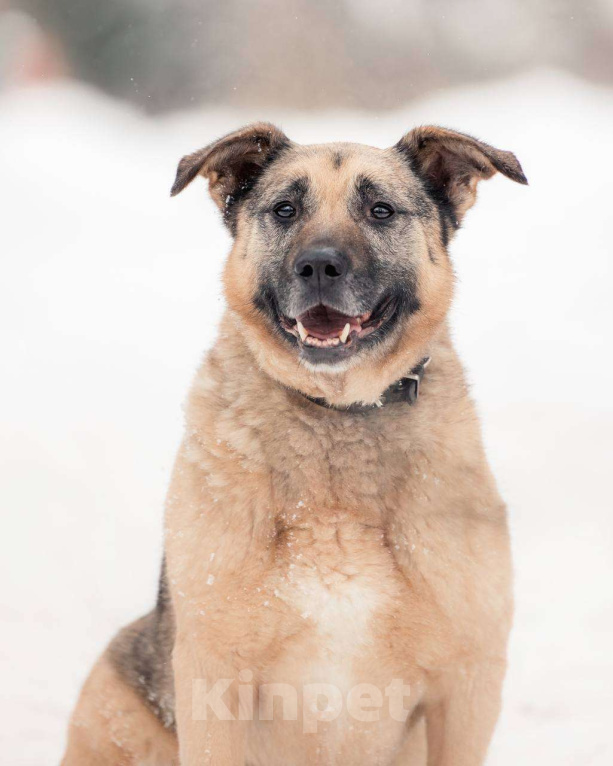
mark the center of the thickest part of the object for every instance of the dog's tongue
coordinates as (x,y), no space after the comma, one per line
(323,322)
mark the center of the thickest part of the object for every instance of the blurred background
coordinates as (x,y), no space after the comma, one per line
(110,294)
(305,54)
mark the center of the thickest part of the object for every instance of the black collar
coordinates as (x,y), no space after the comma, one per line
(404,390)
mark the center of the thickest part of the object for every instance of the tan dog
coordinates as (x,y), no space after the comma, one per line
(337,577)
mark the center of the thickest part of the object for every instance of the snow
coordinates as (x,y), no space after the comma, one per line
(110,292)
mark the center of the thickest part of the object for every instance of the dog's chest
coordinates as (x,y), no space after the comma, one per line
(339,588)
(339,580)
(337,575)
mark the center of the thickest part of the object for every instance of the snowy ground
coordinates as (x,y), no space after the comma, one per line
(110,292)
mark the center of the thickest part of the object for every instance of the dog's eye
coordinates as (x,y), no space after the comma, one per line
(284,210)
(381,210)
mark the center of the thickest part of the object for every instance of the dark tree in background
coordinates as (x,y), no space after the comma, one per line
(371,54)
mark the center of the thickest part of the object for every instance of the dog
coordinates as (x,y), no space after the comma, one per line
(336,585)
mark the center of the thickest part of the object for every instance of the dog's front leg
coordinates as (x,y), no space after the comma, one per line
(218,545)
(208,726)
(461,718)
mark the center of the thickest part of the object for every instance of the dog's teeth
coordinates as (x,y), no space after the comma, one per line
(345,334)
(301,331)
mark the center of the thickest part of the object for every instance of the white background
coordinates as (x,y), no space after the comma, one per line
(110,292)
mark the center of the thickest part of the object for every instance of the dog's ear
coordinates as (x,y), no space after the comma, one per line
(451,164)
(233,163)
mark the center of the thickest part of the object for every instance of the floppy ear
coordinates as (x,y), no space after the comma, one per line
(451,164)
(233,163)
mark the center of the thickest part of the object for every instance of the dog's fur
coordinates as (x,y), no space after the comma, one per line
(307,544)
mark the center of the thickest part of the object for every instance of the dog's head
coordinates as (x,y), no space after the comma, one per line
(340,266)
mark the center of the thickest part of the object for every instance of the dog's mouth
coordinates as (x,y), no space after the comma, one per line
(323,327)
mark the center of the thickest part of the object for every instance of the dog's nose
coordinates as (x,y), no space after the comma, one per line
(321,265)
